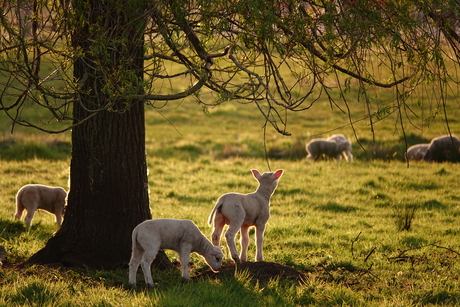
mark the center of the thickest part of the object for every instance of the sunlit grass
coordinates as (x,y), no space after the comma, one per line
(334,221)
(337,222)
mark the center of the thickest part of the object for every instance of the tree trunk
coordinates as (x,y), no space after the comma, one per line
(108,193)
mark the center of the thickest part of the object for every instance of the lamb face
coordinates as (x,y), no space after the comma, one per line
(214,258)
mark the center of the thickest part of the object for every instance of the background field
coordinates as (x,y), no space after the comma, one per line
(338,223)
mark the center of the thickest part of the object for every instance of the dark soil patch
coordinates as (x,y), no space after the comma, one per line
(260,271)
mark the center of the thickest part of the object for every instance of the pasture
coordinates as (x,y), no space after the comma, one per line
(375,232)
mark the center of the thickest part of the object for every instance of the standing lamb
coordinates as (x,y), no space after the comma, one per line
(182,236)
(32,197)
(417,152)
(443,148)
(241,211)
(343,145)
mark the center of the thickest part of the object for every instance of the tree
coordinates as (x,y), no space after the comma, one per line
(110,58)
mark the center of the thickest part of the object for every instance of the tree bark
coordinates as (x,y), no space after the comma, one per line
(108,193)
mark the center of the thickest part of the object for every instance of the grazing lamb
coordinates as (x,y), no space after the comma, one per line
(318,148)
(417,152)
(343,145)
(32,197)
(182,236)
(443,148)
(241,211)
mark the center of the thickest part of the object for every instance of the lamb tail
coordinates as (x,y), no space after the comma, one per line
(213,213)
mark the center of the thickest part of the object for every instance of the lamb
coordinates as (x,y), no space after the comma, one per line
(32,197)
(343,145)
(417,152)
(443,148)
(241,211)
(182,236)
(317,148)
(333,147)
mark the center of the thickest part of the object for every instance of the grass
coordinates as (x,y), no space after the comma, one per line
(371,233)
(341,230)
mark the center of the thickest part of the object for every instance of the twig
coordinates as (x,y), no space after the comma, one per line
(327,271)
(402,255)
(370,253)
(353,243)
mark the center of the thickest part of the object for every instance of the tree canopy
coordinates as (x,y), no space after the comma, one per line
(220,50)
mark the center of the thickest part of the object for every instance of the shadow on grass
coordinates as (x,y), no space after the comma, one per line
(11,228)
(335,207)
(17,150)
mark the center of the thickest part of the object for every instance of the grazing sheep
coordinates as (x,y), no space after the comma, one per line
(318,148)
(182,236)
(443,148)
(343,145)
(337,138)
(417,152)
(334,147)
(32,197)
(241,211)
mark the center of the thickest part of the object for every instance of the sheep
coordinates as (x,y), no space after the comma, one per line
(417,152)
(241,211)
(182,236)
(343,145)
(317,148)
(337,138)
(32,197)
(443,148)
(333,148)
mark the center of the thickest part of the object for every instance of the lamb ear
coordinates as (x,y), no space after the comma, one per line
(278,173)
(217,251)
(255,173)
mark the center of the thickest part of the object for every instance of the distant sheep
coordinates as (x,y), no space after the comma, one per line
(333,147)
(443,148)
(319,148)
(181,236)
(343,145)
(32,197)
(417,152)
(241,211)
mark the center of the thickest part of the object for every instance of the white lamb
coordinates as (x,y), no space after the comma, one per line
(241,211)
(417,152)
(335,148)
(343,145)
(182,236)
(32,197)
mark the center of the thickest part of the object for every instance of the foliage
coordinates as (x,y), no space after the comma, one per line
(277,55)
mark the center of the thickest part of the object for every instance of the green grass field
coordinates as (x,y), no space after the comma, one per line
(338,223)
